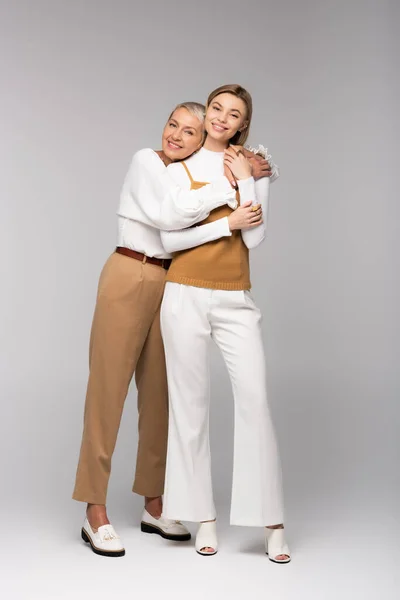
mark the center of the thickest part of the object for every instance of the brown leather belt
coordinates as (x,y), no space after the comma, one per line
(160,262)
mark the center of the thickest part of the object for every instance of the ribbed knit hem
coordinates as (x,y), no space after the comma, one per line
(231,286)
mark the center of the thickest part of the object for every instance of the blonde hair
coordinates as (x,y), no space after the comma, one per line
(195,108)
(240,92)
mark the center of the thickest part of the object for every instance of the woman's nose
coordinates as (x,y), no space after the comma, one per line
(176,134)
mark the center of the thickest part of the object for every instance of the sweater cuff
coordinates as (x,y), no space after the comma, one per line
(247,190)
(225,230)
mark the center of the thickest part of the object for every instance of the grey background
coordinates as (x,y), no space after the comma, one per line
(83,86)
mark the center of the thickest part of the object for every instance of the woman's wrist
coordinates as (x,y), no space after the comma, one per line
(249,179)
(244,176)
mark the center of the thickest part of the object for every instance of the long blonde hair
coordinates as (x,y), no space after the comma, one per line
(240,92)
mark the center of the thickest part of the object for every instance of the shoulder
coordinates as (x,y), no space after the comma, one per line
(145,165)
(146,156)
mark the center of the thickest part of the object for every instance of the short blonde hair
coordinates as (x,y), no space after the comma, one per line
(195,108)
(240,92)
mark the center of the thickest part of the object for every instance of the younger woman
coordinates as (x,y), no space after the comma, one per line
(207,297)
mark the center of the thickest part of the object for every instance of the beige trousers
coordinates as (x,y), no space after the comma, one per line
(125,339)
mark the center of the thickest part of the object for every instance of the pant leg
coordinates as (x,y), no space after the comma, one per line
(186,333)
(257,487)
(127,301)
(151,382)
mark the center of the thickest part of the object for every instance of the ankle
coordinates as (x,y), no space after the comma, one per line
(154,506)
(97,515)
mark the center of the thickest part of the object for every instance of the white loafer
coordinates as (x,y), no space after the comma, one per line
(167,528)
(275,545)
(104,541)
(207,538)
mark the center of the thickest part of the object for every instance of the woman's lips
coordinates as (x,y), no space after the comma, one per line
(219,128)
(173,146)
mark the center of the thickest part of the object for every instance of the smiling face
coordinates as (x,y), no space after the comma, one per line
(225,116)
(183,134)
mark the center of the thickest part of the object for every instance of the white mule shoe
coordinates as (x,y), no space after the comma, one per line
(166,528)
(275,545)
(104,541)
(207,538)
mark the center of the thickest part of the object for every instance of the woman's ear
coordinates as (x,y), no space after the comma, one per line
(244,126)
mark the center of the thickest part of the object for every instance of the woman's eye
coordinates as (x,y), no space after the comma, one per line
(235,116)
(172,125)
(189,132)
(216,108)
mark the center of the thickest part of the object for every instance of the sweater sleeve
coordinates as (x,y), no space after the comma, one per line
(150,195)
(258,193)
(175,241)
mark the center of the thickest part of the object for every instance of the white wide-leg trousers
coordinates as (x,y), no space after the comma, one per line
(190,318)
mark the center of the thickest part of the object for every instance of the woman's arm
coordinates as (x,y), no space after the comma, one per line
(175,241)
(151,196)
(258,192)
(242,217)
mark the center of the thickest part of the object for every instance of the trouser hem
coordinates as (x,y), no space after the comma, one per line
(254,523)
(88,499)
(146,491)
(190,518)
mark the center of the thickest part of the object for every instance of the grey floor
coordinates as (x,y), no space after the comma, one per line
(342,519)
(348,557)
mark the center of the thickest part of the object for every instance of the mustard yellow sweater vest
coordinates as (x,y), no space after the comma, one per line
(219,265)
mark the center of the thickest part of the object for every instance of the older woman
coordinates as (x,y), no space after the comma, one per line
(125,336)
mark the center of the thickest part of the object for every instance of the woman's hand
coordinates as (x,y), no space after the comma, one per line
(260,166)
(245,217)
(237,163)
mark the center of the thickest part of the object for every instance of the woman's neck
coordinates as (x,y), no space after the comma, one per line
(167,161)
(214,145)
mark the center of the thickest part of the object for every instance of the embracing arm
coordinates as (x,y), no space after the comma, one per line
(151,196)
(250,190)
(175,241)
(258,192)
(243,217)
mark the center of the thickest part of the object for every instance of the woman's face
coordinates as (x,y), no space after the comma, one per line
(225,115)
(182,135)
